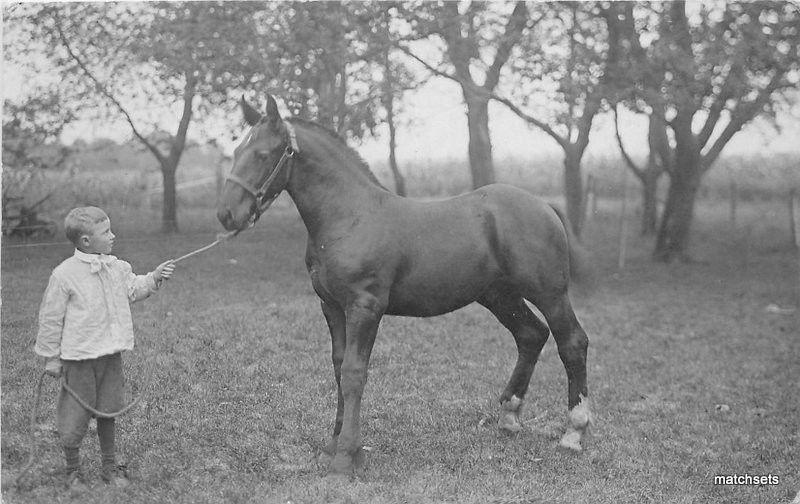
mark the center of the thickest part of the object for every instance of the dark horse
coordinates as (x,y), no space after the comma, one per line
(372,253)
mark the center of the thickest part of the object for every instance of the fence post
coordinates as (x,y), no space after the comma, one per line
(220,175)
(793,232)
(146,200)
(586,193)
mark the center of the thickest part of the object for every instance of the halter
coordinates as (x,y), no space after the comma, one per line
(262,202)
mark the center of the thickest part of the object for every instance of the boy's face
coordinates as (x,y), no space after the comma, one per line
(101,239)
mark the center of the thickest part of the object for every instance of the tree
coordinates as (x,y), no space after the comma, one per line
(396,77)
(323,67)
(131,57)
(478,40)
(631,72)
(719,66)
(31,131)
(380,29)
(659,161)
(335,66)
(568,60)
(388,93)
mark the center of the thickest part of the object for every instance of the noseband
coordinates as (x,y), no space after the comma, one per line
(259,194)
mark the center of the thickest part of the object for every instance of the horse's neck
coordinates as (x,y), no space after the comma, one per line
(329,196)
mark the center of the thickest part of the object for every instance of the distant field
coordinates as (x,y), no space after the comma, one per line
(690,377)
(109,174)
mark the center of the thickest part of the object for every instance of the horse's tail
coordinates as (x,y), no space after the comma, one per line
(580,267)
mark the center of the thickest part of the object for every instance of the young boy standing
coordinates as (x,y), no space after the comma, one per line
(84,325)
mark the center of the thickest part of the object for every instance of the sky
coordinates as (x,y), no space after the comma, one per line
(433,126)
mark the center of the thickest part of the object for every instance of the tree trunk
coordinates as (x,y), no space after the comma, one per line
(169,213)
(480,144)
(573,190)
(673,235)
(659,161)
(399,180)
(387,96)
(169,164)
(649,201)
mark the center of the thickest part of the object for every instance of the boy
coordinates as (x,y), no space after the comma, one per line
(84,325)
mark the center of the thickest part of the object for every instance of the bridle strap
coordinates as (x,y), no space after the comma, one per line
(261,202)
(243,184)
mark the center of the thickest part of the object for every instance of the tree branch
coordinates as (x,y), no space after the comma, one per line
(176,147)
(631,164)
(658,140)
(716,109)
(100,87)
(590,110)
(562,141)
(457,45)
(743,113)
(516,24)
(427,65)
(714,113)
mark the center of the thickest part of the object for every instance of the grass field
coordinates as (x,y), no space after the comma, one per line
(690,377)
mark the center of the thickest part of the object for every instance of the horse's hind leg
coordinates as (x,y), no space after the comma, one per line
(530,335)
(572,346)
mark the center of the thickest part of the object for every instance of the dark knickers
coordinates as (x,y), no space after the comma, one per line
(100,383)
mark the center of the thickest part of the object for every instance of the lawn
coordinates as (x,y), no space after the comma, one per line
(690,377)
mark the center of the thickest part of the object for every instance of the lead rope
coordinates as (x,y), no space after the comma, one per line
(221,237)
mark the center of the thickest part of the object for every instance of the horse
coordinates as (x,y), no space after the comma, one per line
(372,253)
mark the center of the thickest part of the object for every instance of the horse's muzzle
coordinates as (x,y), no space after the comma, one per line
(225,217)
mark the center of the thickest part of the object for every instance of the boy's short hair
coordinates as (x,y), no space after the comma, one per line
(80,221)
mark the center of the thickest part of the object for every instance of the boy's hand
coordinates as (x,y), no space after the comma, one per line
(53,367)
(164,270)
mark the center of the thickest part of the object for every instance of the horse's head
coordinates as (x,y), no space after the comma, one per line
(260,168)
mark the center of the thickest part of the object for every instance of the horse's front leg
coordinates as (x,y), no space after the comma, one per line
(362,319)
(334,316)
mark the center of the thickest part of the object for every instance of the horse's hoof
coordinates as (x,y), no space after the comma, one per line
(360,459)
(580,417)
(509,422)
(349,465)
(340,468)
(509,416)
(578,422)
(338,477)
(571,441)
(330,448)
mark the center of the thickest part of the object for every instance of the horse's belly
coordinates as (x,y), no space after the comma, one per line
(437,293)
(425,306)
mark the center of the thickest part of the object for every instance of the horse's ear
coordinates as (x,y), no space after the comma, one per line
(273,116)
(251,116)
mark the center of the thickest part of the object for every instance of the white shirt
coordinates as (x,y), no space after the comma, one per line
(85,312)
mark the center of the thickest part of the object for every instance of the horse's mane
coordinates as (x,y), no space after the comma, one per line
(358,160)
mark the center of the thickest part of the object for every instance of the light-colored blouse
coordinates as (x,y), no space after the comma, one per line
(85,312)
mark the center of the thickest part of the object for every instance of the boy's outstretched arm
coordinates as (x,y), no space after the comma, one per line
(164,270)
(141,286)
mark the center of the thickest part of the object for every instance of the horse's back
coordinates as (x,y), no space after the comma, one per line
(495,216)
